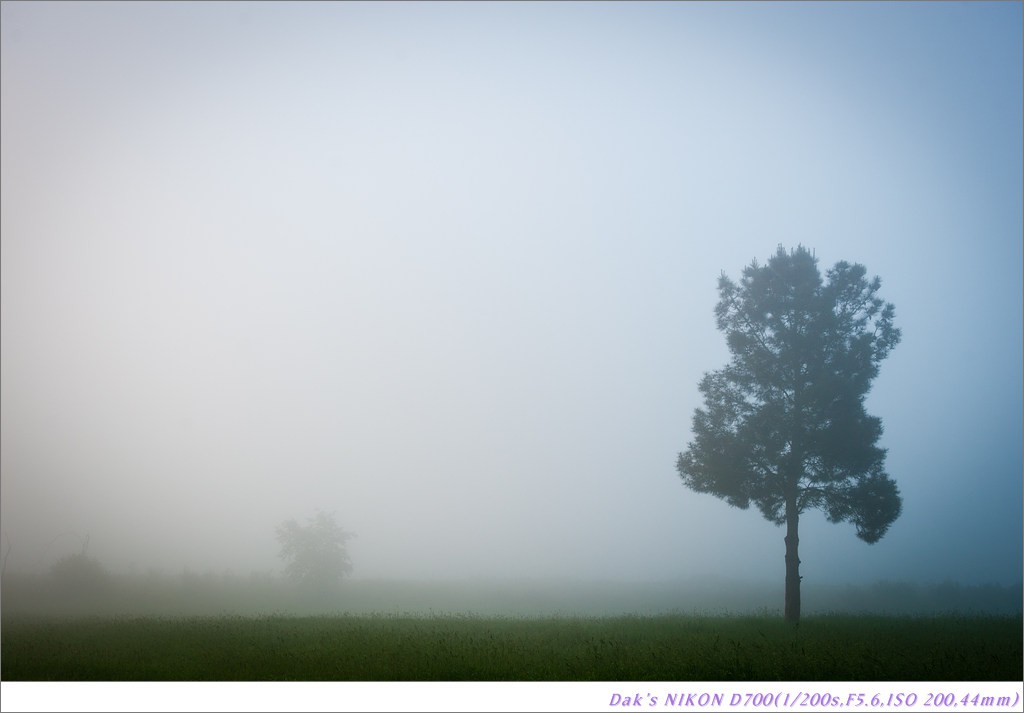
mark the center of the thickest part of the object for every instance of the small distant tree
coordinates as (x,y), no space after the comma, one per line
(316,555)
(80,574)
(783,424)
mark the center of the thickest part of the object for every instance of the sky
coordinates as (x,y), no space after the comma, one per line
(448,270)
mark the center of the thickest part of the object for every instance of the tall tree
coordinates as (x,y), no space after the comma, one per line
(783,424)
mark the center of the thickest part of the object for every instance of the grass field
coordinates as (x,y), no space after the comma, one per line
(469,648)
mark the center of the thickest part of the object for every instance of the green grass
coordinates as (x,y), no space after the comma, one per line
(454,648)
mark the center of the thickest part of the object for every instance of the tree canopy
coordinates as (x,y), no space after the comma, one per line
(315,553)
(783,424)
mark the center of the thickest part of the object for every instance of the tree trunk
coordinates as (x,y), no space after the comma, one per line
(792,563)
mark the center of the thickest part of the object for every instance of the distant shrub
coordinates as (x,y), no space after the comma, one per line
(315,553)
(81,574)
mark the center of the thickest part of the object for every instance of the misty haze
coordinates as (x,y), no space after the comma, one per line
(491,310)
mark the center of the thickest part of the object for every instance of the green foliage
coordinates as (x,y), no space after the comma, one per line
(460,648)
(783,424)
(316,555)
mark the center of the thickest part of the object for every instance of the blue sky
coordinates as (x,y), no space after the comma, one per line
(449,270)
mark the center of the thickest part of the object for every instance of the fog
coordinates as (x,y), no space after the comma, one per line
(448,271)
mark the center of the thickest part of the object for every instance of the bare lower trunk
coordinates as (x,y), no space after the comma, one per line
(792,564)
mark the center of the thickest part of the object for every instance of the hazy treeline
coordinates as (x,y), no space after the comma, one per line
(84,587)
